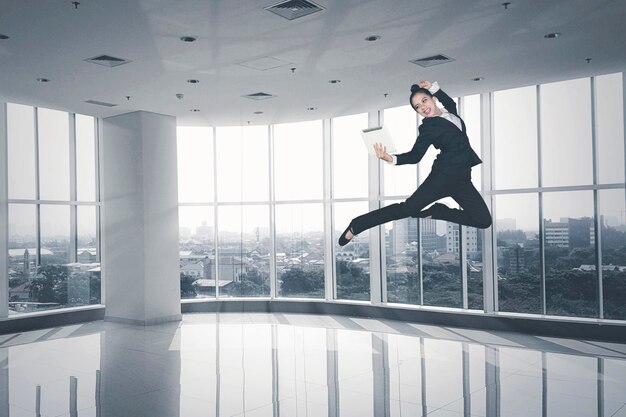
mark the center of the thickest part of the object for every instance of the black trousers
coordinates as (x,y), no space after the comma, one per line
(438,185)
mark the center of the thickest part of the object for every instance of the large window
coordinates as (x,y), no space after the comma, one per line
(554,168)
(518,253)
(298,168)
(300,250)
(352,262)
(402,260)
(613,248)
(566,133)
(402,125)
(242,164)
(53,240)
(197,252)
(515,138)
(350,178)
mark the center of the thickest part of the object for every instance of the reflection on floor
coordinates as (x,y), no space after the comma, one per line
(258,365)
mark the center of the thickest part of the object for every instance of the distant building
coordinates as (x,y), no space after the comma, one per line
(193,269)
(204,232)
(556,233)
(403,234)
(87,255)
(429,235)
(570,232)
(514,259)
(453,236)
(581,232)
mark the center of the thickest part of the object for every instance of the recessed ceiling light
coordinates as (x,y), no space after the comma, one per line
(477,79)
(552,35)
(372,38)
(311,108)
(43,80)
(334,81)
(194,110)
(3,36)
(188,38)
(258,112)
(193,81)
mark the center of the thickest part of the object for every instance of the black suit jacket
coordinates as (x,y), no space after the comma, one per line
(456,153)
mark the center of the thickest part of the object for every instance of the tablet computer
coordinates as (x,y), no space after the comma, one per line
(377,134)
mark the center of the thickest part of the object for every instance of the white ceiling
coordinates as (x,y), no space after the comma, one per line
(51,39)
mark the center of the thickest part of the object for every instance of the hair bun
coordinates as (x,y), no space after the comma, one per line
(414,88)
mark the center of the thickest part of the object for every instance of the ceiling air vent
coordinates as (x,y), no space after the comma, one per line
(107,60)
(294,9)
(429,61)
(258,96)
(100,103)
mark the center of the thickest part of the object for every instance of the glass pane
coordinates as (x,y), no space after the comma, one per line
(355,377)
(54,154)
(53,285)
(471,117)
(55,234)
(518,253)
(515,138)
(87,238)
(566,133)
(613,242)
(352,262)
(474,250)
(22,256)
(85,158)
(441,263)
(242,163)
(300,250)
(195,164)
(610,128)
(243,251)
(21,151)
(571,278)
(197,252)
(402,125)
(298,173)
(350,178)
(402,260)
(87,267)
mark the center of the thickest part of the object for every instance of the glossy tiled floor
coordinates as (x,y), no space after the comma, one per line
(260,365)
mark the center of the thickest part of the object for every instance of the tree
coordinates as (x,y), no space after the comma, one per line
(50,285)
(187,287)
(296,281)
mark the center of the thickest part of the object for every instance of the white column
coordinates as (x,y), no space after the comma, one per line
(139,188)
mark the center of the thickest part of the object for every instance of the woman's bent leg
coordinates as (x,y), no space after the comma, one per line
(432,189)
(475,212)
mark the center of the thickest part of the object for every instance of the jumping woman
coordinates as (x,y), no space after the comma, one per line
(450,175)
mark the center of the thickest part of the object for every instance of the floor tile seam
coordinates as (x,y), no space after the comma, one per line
(443,407)
(618,410)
